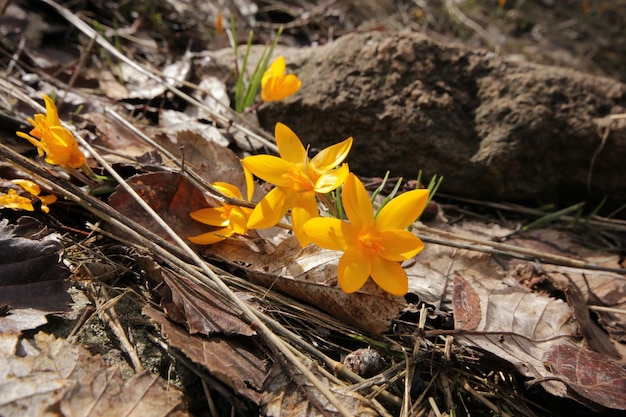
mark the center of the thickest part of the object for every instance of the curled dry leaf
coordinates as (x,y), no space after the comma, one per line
(226,359)
(514,324)
(201,312)
(31,272)
(170,195)
(599,288)
(310,275)
(591,375)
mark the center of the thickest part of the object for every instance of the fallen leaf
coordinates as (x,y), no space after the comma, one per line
(31,272)
(226,359)
(310,274)
(200,311)
(170,195)
(592,375)
(52,377)
(515,324)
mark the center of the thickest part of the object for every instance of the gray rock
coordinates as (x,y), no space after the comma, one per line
(496,130)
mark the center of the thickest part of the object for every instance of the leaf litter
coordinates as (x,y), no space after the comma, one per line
(486,304)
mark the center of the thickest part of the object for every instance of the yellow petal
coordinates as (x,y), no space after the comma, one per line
(15,201)
(271,208)
(33,141)
(28,185)
(214,216)
(400,245)
(332,156)
(46,200)
(402,210)
(227,189)
(239,219)
(332,179)
(289,145)
(389,276)
(277,68)
(356,203)
(269,168)
(52,116)
(304,208)
(211,237)
(328,232)
(353,270)
(290,85)
(249,182)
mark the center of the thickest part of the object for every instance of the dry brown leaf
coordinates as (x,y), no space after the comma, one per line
(47,373)
(227,360)
(519,326)
(591,375)
(106,394)
(170,195)
(201,312)
(285,398)
(430,275)
(310,275)
(31,272)
(601,288)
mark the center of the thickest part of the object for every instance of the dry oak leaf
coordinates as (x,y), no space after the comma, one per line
(225,359)
(513,323)
(310,275)
(591,375)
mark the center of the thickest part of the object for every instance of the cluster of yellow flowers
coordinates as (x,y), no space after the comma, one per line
(373,244)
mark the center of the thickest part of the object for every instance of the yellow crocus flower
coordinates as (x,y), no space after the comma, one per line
(297,178)
(232,219)
(372,245)
(15,201)
(53,140)
(275,84)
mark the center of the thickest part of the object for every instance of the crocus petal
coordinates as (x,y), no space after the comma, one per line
(28,185)
(332,156)
(52,116)
(400,245)
(277,68)
(269,168)
(227,189)
(289,145)
(304,208)
(33,141)
(271,208)
(389,276)
(213,216)
(15,201)
(332,179)
(211,237)
(328,232)
(239,219)
(249,182)
(290,85)
(402,210)
(353,270)
(356,203)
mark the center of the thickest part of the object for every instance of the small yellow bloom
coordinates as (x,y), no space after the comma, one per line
(275,84)
(297,179)
(15,201)
(372,245)
(232,219)
(53,140)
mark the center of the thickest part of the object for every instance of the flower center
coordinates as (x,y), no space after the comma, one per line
(371,242)
(298,179)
